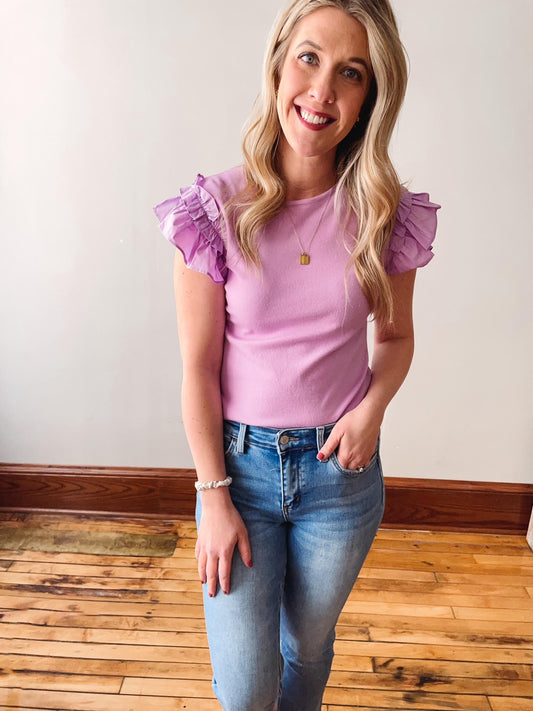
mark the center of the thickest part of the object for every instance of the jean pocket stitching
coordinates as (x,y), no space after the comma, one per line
(359,471)
(229,447)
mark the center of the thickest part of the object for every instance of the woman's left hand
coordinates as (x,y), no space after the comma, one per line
(355,436)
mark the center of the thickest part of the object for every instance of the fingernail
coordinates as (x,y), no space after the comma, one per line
(250,564)
(320,457)
(226,592)
(211,595)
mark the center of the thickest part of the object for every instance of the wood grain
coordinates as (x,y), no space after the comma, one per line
(128,491)
(437,621)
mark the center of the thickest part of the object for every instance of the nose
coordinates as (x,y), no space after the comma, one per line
(322,88)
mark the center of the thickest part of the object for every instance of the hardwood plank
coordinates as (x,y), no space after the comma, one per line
(402,680)
(491,638)
(117,622)
(462,563)
(103,636)
(102,607)
(474,613)
(439,599)
(472,670)
(514,704)
(514,578)
(121,652)
(470,630)
(62,682)
(81,592)
(451,537)
(182,558)
(405,610)
(524,558)
(434,588)
(145,686)
(13,578)
(107,572)
(413,650)
(492,545)
(115,667)
(396,700)
(68,701)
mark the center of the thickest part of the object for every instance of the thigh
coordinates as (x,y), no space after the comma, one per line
(333,531)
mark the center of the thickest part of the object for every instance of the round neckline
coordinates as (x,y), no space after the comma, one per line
(306,201)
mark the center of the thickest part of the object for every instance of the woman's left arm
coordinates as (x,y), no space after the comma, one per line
(356,433)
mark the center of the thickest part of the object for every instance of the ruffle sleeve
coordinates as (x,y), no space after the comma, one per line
(413,233)
(190,221)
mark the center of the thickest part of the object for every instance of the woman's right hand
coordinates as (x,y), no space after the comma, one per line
(221,529)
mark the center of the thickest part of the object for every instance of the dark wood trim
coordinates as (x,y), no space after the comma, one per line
(438,504)
(169,493)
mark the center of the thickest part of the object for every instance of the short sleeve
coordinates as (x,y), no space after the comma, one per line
(413,233)
(190,221)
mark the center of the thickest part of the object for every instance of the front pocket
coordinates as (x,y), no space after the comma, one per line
(229,444)
(358,471)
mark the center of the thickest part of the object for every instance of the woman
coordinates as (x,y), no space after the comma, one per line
(280,263)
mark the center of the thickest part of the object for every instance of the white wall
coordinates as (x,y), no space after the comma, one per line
(108,106)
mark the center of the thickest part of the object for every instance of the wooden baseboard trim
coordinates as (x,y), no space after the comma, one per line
(169,493)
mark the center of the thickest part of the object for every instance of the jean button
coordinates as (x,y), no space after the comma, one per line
(284,439)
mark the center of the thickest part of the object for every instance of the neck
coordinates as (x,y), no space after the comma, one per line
(306,177)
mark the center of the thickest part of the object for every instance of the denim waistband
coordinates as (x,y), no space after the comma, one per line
(286,438)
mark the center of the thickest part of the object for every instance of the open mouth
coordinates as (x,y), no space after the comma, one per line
(314,120)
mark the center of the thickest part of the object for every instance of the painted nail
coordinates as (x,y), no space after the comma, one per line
(320,457)
(250,564)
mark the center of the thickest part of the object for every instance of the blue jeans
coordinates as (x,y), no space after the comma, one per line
(311,525)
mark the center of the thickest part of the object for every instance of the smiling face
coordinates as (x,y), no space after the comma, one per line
(323,84)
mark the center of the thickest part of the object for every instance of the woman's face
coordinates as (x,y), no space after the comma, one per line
(323,83)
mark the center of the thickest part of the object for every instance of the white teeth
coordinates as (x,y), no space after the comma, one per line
(312,118)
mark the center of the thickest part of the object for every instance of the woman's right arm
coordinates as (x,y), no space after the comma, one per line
(200,306)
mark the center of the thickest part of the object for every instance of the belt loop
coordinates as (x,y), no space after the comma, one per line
(240,438)
(319,437)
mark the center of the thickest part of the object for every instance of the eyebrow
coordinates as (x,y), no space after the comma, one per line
(355,60)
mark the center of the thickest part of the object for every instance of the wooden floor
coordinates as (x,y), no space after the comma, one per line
(436,622)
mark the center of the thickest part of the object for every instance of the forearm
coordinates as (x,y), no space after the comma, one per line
(390,364)
(202,418)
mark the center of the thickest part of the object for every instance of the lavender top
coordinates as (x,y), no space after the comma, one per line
(295,351)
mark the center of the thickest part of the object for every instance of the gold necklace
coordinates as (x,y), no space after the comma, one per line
(304,255)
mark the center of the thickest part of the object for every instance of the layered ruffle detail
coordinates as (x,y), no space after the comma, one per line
(413,233)
(190,221)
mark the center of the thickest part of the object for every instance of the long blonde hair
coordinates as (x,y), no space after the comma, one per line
(366,178)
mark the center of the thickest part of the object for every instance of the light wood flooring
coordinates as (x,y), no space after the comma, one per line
(436,622)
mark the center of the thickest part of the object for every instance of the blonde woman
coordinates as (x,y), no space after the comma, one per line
(280,263)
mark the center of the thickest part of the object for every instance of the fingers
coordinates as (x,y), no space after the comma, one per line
(212,575)
(215,568)
(202,562)
(329,446)
(243,545)
(224,574)
(350,456)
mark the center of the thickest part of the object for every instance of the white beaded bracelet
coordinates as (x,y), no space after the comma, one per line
(204,485)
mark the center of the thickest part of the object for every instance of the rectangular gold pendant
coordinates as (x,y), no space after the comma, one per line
(304,258)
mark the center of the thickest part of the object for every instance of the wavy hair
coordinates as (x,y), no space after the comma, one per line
(366,180)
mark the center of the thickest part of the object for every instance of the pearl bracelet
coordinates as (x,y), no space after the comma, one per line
(204,485)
